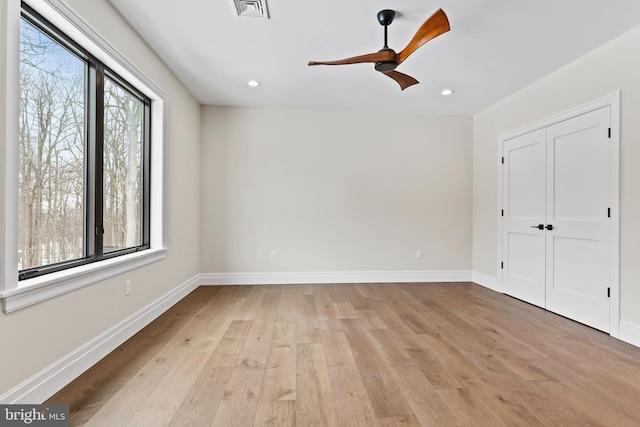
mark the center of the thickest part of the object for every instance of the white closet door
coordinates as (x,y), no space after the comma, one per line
(523,243)
(577,247)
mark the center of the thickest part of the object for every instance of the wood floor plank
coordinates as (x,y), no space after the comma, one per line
(337,350)
(266,314)
(314,399)
(387,343)
(434,369)
(526,369)
(354,297)
(366,291)
(251,303)
(352,403)
(308,325)
(437,354)
(201,405)
(345,310)
(383,389)
(428,406)
(276,413)
(119,409)
(280,376)
(393,320)
(160,406)
(547,395)
(288,297)
(326,310)
(374,319)
(470,408)
(241,396)
(208,389)
(227,351)
(589,396)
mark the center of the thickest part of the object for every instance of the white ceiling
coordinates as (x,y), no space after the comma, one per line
(494,48)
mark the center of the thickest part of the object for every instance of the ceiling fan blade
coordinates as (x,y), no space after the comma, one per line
(383,55)
(435,25)
(403,80)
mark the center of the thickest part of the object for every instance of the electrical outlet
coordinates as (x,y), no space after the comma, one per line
(127,288)
(274,255)
(418,254)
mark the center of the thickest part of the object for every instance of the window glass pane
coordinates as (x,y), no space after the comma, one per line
(122,168)
(51,207)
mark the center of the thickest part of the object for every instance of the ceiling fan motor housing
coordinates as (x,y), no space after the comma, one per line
(385,66)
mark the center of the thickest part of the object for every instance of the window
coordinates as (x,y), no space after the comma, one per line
(82,149)
(125,126)
(84,156)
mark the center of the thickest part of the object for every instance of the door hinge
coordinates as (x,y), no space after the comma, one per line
(503,160)
(609,133)
(502,265)
(608,292)
(608,212)
(502,212)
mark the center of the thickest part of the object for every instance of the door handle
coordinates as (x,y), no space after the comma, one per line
(539,226)
(549,227)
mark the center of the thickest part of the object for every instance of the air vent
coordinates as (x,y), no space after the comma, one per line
(251,8)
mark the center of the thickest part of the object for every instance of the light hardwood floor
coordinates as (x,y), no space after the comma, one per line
(452,354)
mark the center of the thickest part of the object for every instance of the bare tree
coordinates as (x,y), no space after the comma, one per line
(122,165)
(51,151)
(53,115)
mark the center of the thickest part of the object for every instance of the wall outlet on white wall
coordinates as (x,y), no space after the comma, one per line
(418,254)
(127,288)
(274,255)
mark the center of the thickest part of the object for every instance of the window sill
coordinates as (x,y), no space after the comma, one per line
(38,289)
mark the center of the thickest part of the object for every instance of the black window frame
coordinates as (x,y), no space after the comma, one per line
(94,149)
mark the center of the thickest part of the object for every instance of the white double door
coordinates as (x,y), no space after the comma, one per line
(556,218)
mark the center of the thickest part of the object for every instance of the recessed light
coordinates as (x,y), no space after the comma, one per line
(447,92)
(253,83)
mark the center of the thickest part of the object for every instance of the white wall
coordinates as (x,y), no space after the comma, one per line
(334,191)
(35,337)
(615,66)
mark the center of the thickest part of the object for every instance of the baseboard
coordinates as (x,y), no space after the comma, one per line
(486,281)
(269,278)
(630,332)
(50,380)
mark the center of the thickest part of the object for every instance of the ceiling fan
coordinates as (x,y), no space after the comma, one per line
(386,59)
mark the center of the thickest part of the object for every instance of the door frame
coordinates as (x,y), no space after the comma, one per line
(613,101)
